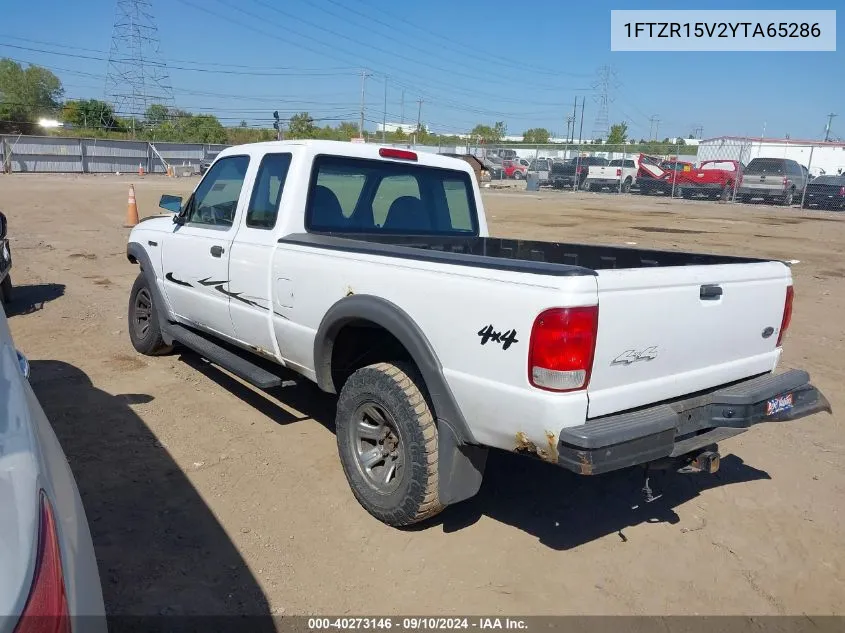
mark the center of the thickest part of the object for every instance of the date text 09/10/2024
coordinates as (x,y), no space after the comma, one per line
(416,623)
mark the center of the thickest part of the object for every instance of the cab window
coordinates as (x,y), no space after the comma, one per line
(358,195)
(267,192)
(215,201)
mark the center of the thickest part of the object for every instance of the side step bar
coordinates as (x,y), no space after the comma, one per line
(219,355)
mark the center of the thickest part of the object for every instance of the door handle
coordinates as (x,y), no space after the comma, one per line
(216,251)
(710,292)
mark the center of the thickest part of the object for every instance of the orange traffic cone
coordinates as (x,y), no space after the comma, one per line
(140,170)
(131,209)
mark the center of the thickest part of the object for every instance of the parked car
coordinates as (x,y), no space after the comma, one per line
(826,192)
(712,178)
(543,168)
(377,279)
(48,575)
(573,172)
(5,262)
(654,174)
(778,179)
(514,169)
(618,175)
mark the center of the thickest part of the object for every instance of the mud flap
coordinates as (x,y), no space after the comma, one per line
(460,466)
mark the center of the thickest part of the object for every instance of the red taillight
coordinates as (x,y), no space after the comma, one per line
(787,313)
(618,172)
(401,154)
(560,353)
(842,191)
(46,609)
(785,181)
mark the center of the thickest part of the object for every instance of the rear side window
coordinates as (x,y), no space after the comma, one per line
(353,195)
(267,192)
(766,166)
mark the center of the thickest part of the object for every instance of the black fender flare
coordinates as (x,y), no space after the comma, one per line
(137,254)
(396,321)
(461,460)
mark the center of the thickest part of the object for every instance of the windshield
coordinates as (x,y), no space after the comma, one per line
(830,180)
(766,166)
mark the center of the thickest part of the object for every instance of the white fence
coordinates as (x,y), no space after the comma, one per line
(54,154)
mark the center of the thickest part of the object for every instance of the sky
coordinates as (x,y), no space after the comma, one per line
(468,62)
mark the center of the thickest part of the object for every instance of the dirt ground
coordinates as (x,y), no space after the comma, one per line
(205,496)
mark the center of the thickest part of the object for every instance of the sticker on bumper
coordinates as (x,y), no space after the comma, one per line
(779,404)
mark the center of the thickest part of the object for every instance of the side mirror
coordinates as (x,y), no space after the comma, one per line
(171,203)
(3,225)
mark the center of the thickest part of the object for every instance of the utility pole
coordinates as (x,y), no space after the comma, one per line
(419,113)
(384,114)
(574,118)
(581,131)
(364,75)
(827,129)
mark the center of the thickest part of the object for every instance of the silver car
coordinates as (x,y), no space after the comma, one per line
(48,572)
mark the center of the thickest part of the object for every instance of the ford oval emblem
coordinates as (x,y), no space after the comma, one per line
(768,332)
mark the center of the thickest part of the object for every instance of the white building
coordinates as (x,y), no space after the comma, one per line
(407,127)
(818,156)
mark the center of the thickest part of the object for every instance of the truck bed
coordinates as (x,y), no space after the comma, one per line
(530,256)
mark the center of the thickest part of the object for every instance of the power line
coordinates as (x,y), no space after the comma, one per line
(372,46)
(500,61)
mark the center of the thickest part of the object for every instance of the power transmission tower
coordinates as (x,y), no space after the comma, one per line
(827,129)
(654,122)
(604,87)
(137,75)
(698,131)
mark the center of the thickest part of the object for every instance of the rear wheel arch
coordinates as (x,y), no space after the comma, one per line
(357,310)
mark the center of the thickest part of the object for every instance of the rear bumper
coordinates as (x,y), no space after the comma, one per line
(701,186)
(684,426)
(761,192)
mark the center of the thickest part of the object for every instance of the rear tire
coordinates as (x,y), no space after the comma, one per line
(788,198)
(626,186)
(726,192)
(387,442)
(144,327)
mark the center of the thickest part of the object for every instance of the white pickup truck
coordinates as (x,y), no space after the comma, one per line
(369,270)
(620,175)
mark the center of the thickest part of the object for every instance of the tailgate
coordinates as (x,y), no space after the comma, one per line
(671,331)
(762,181)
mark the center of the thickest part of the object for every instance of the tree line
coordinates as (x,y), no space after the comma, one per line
(32,92)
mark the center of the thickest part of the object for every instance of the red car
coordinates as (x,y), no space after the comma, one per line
(712,179)
(514,169)
(654,174)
